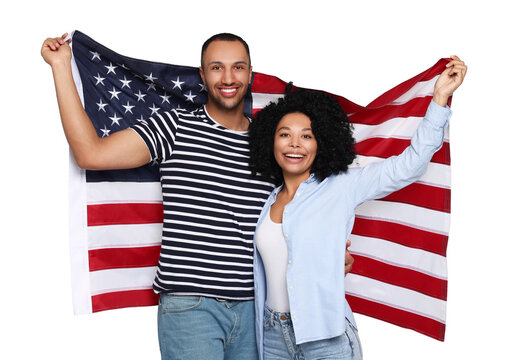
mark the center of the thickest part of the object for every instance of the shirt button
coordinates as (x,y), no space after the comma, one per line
(286,212)
(286,235)
(290,287)
(290,261)
(294,317)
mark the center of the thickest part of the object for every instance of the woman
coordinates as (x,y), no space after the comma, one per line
(304,142)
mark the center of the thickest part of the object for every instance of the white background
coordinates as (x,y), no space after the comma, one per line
(358,50)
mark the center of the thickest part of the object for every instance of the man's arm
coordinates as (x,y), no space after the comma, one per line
(349,260)
(121,150)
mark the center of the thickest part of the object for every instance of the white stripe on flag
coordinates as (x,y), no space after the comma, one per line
(400,255)
(124,236)
(78,244)
(409,215)
(420,89)
(436,174)
(398,128)
(396,297)
(105,281)
(260,100)
(124,192)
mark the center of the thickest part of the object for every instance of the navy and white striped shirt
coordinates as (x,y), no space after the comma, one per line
(211,205)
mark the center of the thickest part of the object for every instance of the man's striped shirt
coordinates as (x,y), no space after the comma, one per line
(211,205)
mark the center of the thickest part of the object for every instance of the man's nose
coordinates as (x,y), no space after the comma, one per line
(227,76)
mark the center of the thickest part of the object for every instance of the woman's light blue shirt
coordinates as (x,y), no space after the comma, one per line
(319,220)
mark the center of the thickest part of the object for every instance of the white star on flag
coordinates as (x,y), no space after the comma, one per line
(114,93)
(189,96)
(111,68)
(125,82)
(140,96)
(154,110)
(95,54)
(105,131)
(115,119)
(177,83)
(165,97)
(128,107)
(100,80)
(150,77)
(101,105)
(151,86)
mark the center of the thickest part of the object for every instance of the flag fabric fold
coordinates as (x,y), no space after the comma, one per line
(399,242)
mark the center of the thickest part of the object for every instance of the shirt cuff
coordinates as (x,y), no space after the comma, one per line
(438,115)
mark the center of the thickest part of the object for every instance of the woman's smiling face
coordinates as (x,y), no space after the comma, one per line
(295,146)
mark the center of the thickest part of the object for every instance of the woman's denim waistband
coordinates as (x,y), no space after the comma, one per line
(282,317)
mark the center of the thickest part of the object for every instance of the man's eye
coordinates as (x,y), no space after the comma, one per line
(216,67)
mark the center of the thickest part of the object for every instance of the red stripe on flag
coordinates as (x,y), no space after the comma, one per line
(401,234)
(401,89)
(425,196)
(120,299)
(419,323)
(374,116)
(386,147)
(117,258)
(121,214)
(267,84)
(399,276)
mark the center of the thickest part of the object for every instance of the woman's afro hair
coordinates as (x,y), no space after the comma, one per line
(329,124)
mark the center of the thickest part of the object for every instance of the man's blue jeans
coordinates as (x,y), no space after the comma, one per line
(200,328)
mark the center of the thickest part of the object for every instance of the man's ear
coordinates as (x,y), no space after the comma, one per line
(202,74)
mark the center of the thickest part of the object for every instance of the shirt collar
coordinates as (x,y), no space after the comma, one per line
(311,179)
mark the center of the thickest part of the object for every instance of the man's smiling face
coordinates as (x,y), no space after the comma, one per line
(226,72)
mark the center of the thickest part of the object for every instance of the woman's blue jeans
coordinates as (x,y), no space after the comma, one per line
(279,342)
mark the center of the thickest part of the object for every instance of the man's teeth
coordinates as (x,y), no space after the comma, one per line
(298,156)
(228,90)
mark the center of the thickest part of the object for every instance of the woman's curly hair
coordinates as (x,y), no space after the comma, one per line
(330,126)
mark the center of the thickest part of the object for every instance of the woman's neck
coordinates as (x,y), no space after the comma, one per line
(291,183)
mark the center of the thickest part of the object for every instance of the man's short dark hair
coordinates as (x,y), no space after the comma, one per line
(224,37)
(329,124)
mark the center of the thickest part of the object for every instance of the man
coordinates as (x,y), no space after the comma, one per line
(211,201)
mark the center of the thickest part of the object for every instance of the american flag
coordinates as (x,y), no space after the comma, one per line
(398,242)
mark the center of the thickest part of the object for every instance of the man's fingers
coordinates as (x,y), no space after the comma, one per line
(66,38)
(51,43)
(55,43)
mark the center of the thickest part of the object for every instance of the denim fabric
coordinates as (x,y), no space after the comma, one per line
(200,328)
(279,342)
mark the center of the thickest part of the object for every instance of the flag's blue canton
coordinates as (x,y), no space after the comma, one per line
(119,91)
